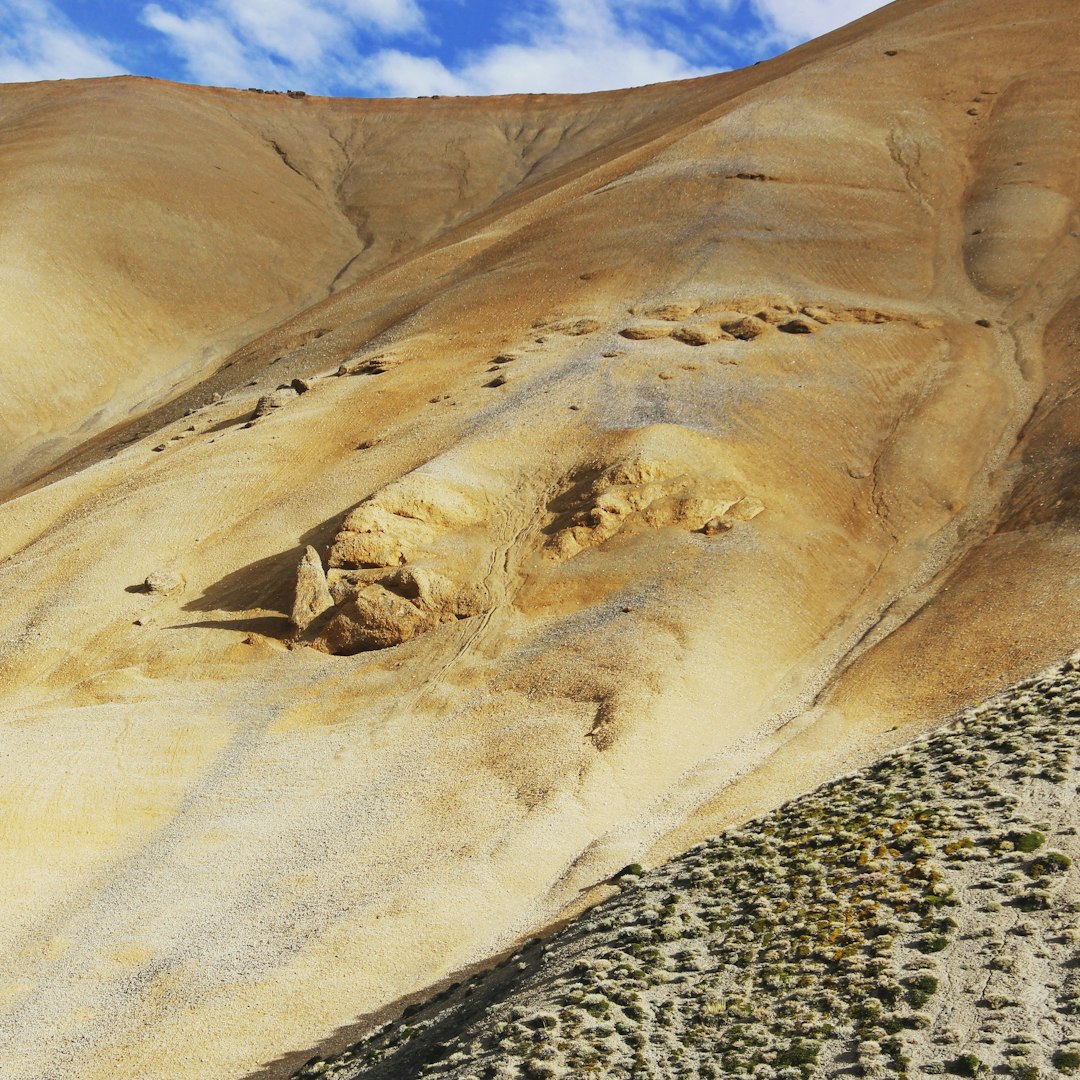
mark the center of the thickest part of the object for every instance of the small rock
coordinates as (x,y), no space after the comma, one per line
(375,365)
(269,402)
(165,583)
(675,311)
(580,327)
(746,328)
(302,386)
(747,508)
(499,380)
(698,335)
(646,331)
(715,526)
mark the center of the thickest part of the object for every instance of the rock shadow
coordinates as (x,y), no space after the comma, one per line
(266,625)
(267,583)
(450,1007)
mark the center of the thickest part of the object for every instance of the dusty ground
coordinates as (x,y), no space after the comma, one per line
(691,445)
(920,916)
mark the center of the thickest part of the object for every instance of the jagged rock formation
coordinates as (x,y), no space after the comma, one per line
(664,476)
(376,613)
(224,836)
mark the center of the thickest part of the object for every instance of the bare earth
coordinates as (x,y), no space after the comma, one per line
(663,454)
(919,916)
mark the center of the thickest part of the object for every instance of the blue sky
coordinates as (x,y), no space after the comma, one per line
(405,47)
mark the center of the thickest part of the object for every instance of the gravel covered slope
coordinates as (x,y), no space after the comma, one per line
(920,916)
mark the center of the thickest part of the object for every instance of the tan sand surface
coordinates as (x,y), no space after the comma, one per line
(680,443)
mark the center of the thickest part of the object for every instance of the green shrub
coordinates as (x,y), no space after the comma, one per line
(1035,900)
(1050,862)
(1066,1061)
(966,1065)
(927,984)
(1027,841)
(798,1053)
(932,944)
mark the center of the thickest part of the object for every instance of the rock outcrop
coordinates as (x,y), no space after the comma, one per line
(404,562)
(312,592)
(662,475)
(395,608)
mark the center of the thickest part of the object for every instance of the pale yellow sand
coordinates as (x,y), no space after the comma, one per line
(217,849)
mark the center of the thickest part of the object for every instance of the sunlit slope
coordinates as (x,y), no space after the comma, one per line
(147,229)
(911,917)
(737,441)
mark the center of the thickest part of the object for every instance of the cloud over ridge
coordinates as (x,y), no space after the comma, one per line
(411,47)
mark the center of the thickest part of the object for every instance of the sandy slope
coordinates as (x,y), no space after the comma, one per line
(917,917)
(149,228)
(764,291)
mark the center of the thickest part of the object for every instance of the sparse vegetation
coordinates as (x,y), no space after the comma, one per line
(819,934)
(967,1065)
(1067,1061)
(1027,841)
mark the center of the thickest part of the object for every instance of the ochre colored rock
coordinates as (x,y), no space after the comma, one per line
(165,582)
(312,592)
(396,608)
(646,331)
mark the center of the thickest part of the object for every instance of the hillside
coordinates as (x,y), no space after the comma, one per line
(420,510)
(150,228)
(919,916)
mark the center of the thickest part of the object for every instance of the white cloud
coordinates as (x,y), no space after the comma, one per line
(390,16)
(276,43)
(574,47)
(795,21)
(292,29)
(400,74)
(569,45)
(209,49)
(37,42)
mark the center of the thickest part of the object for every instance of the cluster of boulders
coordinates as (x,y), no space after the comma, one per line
(349,612)
(644,494)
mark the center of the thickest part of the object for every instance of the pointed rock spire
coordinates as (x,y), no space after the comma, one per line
(312,593)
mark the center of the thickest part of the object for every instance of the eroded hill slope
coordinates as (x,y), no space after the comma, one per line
(711,464)
(149,228)
(917,917)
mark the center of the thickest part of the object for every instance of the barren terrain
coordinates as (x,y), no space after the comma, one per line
(418,511)
(918,916)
